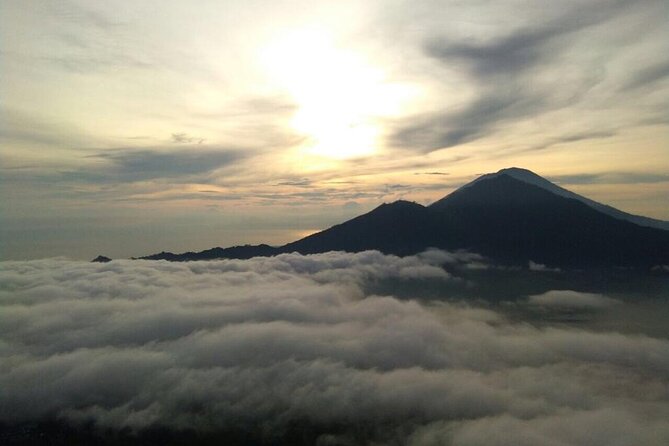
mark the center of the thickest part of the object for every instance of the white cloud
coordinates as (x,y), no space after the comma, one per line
(601,427)
(540,267)
(270,343)
(572,299)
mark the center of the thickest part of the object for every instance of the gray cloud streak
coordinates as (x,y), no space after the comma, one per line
(648,77)
(572,299)
(509,76)
(126,165)
(612,178)
(474,120)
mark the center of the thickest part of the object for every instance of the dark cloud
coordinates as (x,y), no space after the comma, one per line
(513,75)
(184,138)
(612,178)
(267,344)
(302,182)
(527,46)
(583,136)
(512,54)
(473,121)
(431,173)
(648,77)
(129,165)
(569,138)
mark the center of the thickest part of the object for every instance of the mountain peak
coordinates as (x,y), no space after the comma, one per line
(496,190)
(518,172)
(531,178)
(401,204)
(513,216)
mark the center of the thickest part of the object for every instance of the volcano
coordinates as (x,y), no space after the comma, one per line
(513,216)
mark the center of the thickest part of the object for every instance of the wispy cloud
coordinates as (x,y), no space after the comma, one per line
(185,138)
(125,165)
(569,299)
(432,173)
(648,77)
(301,182)
(571,138)
(90,41)
(612,178)
(77,14)
(20,127)
(513,76)
(475,120)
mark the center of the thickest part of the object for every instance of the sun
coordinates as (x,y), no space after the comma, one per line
(341,96)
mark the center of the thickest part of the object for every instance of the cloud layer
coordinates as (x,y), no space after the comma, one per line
(268,344)
(572,299)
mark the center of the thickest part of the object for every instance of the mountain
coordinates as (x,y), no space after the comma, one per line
(401,228)
(101,259)
(514,221)
(530,177)
(234,252)
(513,216)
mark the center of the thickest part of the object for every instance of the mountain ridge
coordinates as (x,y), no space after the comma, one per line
(499,215)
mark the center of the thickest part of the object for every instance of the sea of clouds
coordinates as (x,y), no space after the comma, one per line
(268,344)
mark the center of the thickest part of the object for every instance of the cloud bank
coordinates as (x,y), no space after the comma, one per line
(270,345)
(572,299)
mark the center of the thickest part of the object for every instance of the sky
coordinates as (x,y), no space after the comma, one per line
(128,128)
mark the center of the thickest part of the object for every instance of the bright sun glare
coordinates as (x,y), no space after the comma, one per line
(340,95)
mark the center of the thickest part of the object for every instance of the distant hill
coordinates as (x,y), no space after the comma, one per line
(234,252)
(512,216)
(101,259)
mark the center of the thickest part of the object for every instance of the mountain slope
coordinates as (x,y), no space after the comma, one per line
(398,228)
(507,219)
(530,177)
(512,221)
(512,216)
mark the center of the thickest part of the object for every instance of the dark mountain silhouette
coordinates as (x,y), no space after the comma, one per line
(530,177)
(400,228)
(513,221)
(101,259)
(498,215)
(234,252)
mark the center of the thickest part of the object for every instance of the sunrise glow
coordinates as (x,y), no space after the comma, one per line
(340,96)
